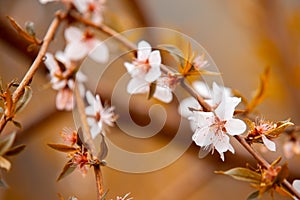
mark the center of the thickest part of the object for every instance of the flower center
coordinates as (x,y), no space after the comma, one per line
(219,125)
(97,116)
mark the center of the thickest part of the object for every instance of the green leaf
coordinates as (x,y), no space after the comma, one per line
(104,195)
(4,163)
(6,142)
(24,100)
(253,195)
(103,149)
(68,169)
(63,148)
(242,174)
(15,150)
(151,90)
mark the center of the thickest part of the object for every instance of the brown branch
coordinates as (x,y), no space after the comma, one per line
(35,65)
(99,181)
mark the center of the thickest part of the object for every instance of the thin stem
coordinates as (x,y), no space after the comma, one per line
(99,181)
(35,65)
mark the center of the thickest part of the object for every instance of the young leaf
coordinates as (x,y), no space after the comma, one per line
(103,149)
(253,195)
(17,124)
(63,148)
(24,100)
(6,142)
(4,163)
(68,169)
(151,90)
(15,150)
(281,126)
(260,92)
(22,32)
(242,174)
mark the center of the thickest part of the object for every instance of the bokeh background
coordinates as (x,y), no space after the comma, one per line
(242,37)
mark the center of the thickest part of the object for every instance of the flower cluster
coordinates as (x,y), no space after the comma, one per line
(145,71)
(212,128)
(64,65)
(90,9)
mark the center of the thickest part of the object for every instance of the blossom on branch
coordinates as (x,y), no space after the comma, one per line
(91,9)
(63,79)
(97,115)
(212,129)
(145,70)
(80,44)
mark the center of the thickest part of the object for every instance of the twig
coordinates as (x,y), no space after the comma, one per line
(99,181)
(35,65)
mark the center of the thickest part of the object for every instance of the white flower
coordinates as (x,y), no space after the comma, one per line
(213,97)
(63,80)
(213,128)
(91,9)
(144,70)
(97,115)
(80,44)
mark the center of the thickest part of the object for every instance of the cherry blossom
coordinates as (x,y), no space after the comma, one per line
(91,9)
(213,128)
(213,97)
(80,44)
(261,128)
(63,79)
(97,115)
(144,70)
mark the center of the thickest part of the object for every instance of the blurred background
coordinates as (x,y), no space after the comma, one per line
(242,38)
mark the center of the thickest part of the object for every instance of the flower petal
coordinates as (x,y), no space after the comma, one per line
(154,59)
(203,136)
(51,63)
(221,142)
(76,50)
(137,86)
(153,74)
(72,34)
(226,108)
(235,126)
(90,98)
(203,89)
(144,50)
(268,143)
(100,52)
(164,94)
(129,66)
(187,103)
